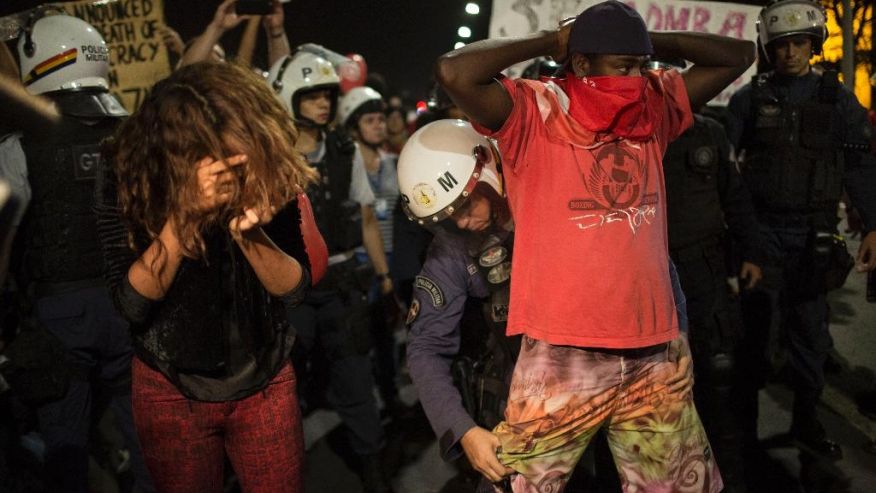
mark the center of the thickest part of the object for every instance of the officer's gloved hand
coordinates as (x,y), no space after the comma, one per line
(866,260)
(480,449)
(752,273)
(392,310)
(681,382)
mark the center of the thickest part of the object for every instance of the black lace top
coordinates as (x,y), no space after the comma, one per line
(217,334)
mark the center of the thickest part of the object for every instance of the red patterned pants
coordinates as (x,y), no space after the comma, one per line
(184,441)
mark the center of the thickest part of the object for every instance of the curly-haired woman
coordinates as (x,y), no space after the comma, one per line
(204,246)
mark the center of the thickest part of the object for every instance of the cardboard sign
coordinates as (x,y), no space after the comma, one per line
(137,56)
(513,18)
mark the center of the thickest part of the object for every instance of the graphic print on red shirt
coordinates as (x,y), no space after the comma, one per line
(591,262)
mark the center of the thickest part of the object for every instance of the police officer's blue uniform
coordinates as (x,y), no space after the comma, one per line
(335,312)
(801,141)
(62,269)
(706,198)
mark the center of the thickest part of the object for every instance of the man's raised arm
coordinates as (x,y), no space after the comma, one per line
(467,74)
(717,61)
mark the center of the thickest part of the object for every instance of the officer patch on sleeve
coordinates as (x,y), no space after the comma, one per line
(413,312)
(430,287)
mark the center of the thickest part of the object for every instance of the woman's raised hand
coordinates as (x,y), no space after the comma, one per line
(216,181)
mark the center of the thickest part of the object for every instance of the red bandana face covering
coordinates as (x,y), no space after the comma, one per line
(625,106)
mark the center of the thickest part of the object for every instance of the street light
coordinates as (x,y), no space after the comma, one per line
(472,8)
(464,32)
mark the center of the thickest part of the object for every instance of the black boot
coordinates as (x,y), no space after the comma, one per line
(807,433)
(373,478)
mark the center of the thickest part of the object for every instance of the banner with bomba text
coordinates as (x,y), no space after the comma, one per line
(138,58)
(512,18)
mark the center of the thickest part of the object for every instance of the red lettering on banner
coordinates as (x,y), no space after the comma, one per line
(733,25)
(701,18)
(673,23)
(654,17)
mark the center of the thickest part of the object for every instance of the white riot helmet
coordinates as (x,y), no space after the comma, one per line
(440,166)
(790,17)
(60,52)
(357,102)
(303,72)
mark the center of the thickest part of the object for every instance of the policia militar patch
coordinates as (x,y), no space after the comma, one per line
(430,287)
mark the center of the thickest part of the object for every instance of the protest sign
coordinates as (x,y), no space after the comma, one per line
(512,18)
(137,56)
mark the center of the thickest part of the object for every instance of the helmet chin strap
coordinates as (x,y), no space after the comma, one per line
(308,123)
(373,147)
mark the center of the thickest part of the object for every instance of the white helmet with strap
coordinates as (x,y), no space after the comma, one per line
(303,72)
(440,166)
(788,18)
(358,101)
(61,52)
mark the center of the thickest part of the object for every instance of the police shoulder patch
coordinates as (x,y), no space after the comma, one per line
(432,288)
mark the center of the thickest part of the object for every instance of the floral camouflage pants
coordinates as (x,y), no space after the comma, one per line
(561,396)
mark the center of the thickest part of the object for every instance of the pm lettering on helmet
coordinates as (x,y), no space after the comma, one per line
(447,181)
(306,71)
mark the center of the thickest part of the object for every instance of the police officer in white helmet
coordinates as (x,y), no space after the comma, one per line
(335,311)
(65,59)
(802,139)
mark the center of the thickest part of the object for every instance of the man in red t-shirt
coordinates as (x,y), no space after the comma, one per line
(591,291)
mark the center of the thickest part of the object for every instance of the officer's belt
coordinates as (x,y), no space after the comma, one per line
(344,276)
(340,258)
(796,220)
(695,251)
(43,289)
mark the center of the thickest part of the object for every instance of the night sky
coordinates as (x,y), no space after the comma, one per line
(398,38)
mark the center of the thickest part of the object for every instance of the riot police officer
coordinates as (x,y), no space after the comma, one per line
(65,59)
(458,355)
(706,198)
(362,114)
(449,180)
(335,312)
(801,138)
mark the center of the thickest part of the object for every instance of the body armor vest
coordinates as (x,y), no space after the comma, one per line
(60,229)
(792,163)
(485,347)
(338,218)
(690,167)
